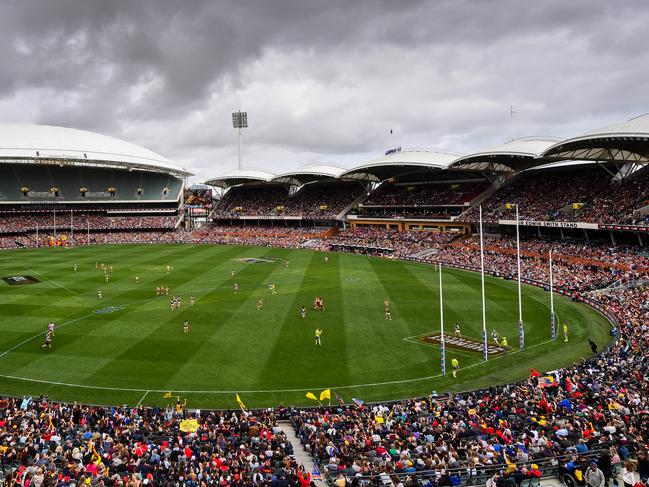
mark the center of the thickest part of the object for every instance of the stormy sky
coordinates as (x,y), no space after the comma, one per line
(322,81)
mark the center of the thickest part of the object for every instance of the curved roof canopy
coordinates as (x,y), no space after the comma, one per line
(515,155)
(400,163)
(66,146)
(621,142)
(241,176)
(310,173)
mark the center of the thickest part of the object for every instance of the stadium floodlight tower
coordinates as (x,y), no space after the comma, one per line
(240,122)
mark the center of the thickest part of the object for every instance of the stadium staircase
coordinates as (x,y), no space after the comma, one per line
(348,208)
(300,454)
(480,198)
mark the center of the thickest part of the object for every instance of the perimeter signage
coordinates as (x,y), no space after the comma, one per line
(537,223)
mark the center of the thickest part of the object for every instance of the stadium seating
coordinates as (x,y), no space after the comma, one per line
(585,194)
(39,180)
(312,201)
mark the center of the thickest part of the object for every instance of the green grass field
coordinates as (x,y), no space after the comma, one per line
(136,352)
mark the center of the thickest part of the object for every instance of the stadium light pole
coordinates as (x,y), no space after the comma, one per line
(239,122)
(521,331)
(441,320)
(552,323)
(484,309)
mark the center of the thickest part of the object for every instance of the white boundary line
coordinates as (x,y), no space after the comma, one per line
(52,280)
(265,391)
(141,399)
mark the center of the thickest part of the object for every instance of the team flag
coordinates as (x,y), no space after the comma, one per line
(167,394)
(326,394)
(358,402)
(379,419)
(315,475)
(189,426)
(311,395)
(240,402)
(547,381)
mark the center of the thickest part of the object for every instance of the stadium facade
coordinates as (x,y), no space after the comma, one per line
(94,182)
(593,185)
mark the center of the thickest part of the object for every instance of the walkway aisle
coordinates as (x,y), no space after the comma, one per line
(301,455)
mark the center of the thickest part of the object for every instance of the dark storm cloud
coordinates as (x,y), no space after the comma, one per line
(321,80)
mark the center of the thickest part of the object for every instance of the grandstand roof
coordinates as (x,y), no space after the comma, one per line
(621,142)
(400,163)
(514,155)
(241,176)
(310,173)
(66,146)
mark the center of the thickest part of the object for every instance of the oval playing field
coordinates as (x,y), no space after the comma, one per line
(129,346)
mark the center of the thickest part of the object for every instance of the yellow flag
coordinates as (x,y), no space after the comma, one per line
(167,394)
(379,419)
(311,395)
(326,394)
(189,426)
(240,402)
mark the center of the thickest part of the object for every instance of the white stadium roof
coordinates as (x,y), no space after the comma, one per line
(241,176)
(46,143)
(400,162)
(621,142)
(309,173)
(511,156)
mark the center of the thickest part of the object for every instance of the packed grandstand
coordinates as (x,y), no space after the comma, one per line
(585,198)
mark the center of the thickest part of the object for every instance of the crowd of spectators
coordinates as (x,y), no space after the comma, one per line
(17,222)
(442,193)
(250,201)
(313,201)
(49,444)
(322,200)
(579,267)
(286,237)
(544,196)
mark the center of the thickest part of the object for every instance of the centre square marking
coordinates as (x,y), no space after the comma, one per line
(257,260)
(463,343)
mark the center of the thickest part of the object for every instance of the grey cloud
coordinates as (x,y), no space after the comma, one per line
(321,80)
